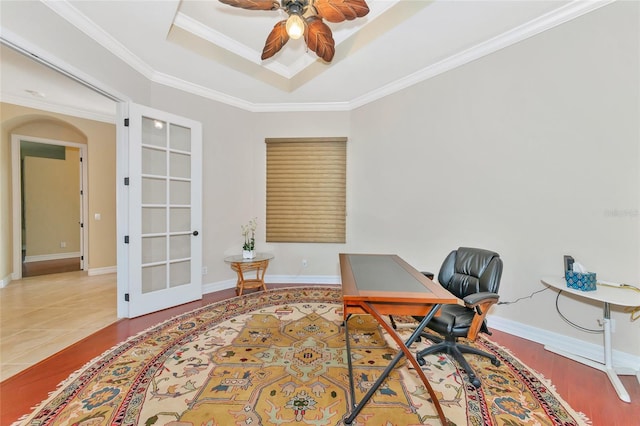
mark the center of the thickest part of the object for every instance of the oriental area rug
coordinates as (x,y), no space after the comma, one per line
(279,358)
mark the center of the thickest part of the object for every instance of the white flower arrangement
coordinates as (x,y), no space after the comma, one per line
(249,234)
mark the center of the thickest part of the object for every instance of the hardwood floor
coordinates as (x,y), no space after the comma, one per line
(46,267)
(585,389)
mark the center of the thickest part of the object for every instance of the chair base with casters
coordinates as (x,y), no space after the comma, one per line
(473,276)
(450,346)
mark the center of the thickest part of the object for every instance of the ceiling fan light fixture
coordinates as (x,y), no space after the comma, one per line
(295,26)
(305,19)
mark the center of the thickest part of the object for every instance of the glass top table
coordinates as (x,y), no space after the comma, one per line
(259,257)
(384,284)
(241,265)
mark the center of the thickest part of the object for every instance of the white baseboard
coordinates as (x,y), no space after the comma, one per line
(220,285)
(5,281)
(92,271)
(567,344)
(52,256)
(102,271)
(538,335)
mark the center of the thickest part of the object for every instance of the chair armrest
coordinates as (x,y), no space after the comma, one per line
(480,302)
(475,299)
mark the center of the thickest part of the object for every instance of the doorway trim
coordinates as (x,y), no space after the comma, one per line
(17,194)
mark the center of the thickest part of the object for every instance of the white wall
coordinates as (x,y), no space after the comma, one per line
(234,172)
(532,151)
(52,205)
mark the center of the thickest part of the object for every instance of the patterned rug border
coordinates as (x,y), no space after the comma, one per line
(580,416)
(238,305)
(249,303)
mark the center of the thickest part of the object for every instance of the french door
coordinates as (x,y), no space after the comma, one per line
(162,193)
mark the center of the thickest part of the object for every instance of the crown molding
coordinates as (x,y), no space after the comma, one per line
(196,89)
(76,18)
(206,33)
(548,21)
(57,109)
(303,107)
(205,92)
(11,40)
(543,23)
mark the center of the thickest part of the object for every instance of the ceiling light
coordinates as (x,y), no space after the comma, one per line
(295,26)
(305,18)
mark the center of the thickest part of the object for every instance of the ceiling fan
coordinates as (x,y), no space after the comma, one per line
(305,18)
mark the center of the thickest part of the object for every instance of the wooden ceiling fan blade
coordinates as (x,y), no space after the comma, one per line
(340,10)
(318,37)
(277,38)
(253,4)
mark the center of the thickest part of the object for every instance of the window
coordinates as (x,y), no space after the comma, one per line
(306,190)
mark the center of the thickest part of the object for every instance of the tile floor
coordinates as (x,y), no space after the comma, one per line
(41,315)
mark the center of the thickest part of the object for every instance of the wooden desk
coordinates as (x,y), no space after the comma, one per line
(382,284)
(608,296)
(241,265)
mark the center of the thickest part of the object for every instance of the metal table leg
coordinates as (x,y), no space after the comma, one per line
(404,346)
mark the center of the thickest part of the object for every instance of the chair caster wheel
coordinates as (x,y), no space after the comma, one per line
(421,361)
(495,362)
(475,382)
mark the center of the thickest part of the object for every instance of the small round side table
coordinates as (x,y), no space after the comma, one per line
(259,263)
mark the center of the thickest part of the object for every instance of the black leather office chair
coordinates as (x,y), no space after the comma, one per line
(472,275)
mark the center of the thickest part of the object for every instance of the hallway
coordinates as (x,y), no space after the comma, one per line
(41,315)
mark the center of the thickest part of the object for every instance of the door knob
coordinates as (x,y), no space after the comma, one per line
(195,233)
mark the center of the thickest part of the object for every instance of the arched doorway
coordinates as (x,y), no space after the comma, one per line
(49,193)
(51,203)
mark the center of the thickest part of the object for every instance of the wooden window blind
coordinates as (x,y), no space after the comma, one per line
(306,190)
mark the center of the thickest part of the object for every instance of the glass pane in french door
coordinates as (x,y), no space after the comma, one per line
(166,205)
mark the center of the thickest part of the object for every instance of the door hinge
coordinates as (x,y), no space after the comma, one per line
(81,225)
(126,297)
(126,181)
(126,122)
(81,257)
(81,159)
(126,239)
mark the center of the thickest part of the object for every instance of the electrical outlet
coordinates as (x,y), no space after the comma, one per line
(205,271)
(63,244)
(304,263)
